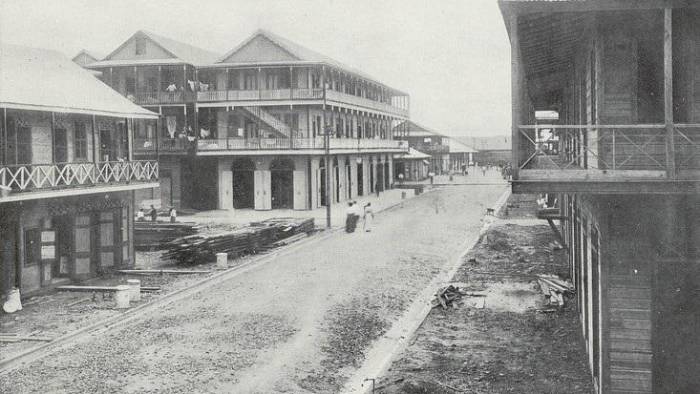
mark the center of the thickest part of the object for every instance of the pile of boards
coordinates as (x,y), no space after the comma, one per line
(255,238)
(154,235)
(554,288)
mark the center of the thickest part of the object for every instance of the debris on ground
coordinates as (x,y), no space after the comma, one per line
(555,288)
(254,238)
(447,296)
(153,235)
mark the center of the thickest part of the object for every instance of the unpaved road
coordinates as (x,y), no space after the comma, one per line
(300,323)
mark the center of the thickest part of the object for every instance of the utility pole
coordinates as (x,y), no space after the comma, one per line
(327,154)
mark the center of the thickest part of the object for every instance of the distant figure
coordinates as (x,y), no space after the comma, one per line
(153,213)
(173,215)
(350,218)
(369,217)
(400,176)
(432,177)
(376,188)
(140,215)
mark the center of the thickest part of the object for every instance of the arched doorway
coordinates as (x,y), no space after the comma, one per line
(322,176)
(282,183)
(243,183)
(380,176)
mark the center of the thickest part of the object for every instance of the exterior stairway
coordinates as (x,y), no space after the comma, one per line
(267,118)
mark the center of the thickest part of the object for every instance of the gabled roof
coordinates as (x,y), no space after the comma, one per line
(297,54)
(412,154)
(417,130)
(180,52)
(458,147)
(43,80)
(88,54)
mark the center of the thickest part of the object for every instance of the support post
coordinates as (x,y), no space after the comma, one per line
(515,93)
(53,137)
(327,154)
(4,136)
(668,94)
(95,143)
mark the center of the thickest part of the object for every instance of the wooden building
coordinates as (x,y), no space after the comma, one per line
(67,172)
(245,129)
(623,76)
(427,141)
(414,165)
(461,155)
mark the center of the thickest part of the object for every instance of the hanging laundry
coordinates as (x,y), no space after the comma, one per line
(171,122)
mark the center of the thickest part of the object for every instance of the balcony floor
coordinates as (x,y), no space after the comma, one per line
(77,191)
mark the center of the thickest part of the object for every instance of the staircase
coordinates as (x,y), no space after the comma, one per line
(267,118)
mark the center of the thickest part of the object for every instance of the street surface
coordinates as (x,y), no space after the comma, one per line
(300,323)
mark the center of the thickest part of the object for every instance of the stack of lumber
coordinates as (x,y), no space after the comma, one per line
(154,235)
(255,238)
(554,288)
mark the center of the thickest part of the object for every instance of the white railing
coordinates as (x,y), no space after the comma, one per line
(263,94)
(364,102)
(47,176)
(298,143)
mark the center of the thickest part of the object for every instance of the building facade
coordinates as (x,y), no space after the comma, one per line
(622,76)
(426,141)
(246,129)
(67,172)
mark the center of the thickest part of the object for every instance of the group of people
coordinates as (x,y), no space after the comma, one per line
(354,213)
(153,214)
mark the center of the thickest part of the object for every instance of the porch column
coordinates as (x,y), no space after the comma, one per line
(668,93)
(515,93)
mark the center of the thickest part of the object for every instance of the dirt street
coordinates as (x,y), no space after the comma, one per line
(298,324)
(505,340)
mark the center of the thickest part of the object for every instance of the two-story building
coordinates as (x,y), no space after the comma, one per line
(426,141)
(250,132)
(624,79)
(67,171)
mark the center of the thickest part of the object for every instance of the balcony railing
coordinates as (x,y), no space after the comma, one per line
(146,98)
(164,145)
(297,94)
(219,144)
(33,177)
(602,151)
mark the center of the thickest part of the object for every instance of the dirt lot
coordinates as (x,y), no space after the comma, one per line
(503,342)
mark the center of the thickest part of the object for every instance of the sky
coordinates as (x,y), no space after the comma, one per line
(451,56)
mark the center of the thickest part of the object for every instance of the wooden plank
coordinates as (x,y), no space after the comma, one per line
(668,93)
(516,93)
(633,380)
(632,293)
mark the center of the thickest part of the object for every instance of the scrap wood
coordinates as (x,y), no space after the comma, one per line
(446,295)
(161,272)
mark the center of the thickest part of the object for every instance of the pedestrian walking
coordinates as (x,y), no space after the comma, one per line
(376,188)
(153,213)
(432,177)
(400,176)
(351,217)
(368,217)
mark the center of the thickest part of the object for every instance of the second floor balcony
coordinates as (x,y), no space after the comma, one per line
(20,182)
(155,98)
(570,156)
(209,146)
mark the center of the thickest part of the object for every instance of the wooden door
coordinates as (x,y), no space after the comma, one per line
(125,257)
(82,246)
(106,239)
(47,254)
(299,188)
(8,257)
(60,146)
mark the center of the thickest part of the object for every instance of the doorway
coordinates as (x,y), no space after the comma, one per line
(64,241)
(243,179)
(360,180)
(282,183)
(380,177)
(322,182)
(348,180)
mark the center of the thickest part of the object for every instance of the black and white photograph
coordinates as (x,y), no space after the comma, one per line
(355,197)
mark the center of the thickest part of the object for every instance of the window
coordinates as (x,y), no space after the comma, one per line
(80,145)
(32,246)
(249,81)
(140,45)
(60,145)
(19,144)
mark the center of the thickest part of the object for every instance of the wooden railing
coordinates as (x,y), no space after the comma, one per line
(267,94)
(164,145)
(32,177)
(365,102)
(298,143)
(630,150)
(145,98)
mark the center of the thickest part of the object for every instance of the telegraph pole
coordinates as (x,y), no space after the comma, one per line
(327,154)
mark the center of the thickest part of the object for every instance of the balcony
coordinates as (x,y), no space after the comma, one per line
(19,181)
(267,144)
(148,146)
(609,158)
(298,94)
(154,98)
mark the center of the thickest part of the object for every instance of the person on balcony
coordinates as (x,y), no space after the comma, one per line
(153,213)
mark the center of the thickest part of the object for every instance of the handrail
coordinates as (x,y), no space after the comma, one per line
(296,144)
(27,177)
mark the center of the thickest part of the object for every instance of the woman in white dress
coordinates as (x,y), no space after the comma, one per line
(369,217)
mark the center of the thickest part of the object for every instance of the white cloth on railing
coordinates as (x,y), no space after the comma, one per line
(191,83)
(171,122)
(204,133)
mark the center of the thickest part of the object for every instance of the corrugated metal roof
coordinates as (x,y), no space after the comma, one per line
(412,154)
(302,53)
(44,80)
